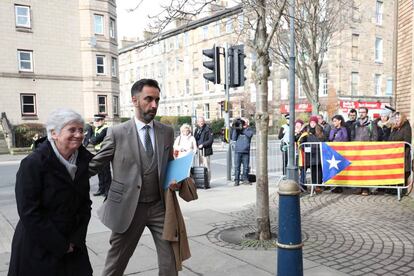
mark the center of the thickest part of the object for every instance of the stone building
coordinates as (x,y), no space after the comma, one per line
(358,71)
(175,60)
(405,58)
(58,54)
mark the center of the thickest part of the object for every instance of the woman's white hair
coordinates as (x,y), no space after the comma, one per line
(185,126)
(59,118)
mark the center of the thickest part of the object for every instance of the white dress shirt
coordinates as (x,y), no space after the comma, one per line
(141,131)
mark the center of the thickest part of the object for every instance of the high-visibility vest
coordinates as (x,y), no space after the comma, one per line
(97,131)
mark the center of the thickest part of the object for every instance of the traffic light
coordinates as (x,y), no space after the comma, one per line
(237,67)
(213,64)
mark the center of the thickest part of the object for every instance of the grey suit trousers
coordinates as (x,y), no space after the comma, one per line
(123,244)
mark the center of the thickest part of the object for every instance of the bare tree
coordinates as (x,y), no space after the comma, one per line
(316,23)
(262,21)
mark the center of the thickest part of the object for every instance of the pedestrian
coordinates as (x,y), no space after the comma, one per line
(338,133)
(313,133)
(53,203)
(185,142)
(35,142)
(326,127)
(88,134)
(299,123)
(364,130)
(384,125)
(204,138)
(284,137)
(352,116)
(139,150)
(99,134)
(242,134)
(401,131)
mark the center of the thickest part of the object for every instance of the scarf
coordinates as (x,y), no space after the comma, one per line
(70,164)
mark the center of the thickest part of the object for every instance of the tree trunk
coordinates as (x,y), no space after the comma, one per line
(262,123)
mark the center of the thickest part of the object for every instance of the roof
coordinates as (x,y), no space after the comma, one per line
(186,27)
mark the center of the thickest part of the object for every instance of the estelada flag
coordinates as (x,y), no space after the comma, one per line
(367,163)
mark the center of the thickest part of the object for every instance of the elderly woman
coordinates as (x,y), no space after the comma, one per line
(52,194)
(184,143)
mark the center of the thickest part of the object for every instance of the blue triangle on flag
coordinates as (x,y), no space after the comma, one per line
(332,162)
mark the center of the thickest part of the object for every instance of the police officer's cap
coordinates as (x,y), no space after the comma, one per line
(98,117)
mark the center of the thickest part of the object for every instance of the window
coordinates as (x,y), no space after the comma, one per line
(355,44)
(28,104)
(114,67)
(25,60)
(186,39)
(229,26)
(102,104)
(240,19)
(115,105)
(138,73)
(284,89)
(207,111)
(205,32)
(377,85)
(22,16)
(388,92)
(112,28)
(99,24)
(378,49)
(323,84)
(178,110)
(206,85)
(187,87)
(354,83)
(100,65)
(218,28)
(378,12)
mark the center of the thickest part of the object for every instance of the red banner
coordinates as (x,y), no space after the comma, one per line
(347,105)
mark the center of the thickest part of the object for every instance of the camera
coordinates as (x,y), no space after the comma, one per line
(238,124)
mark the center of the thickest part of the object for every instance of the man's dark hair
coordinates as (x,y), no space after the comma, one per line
(365,108)
(139,85)
(353,110)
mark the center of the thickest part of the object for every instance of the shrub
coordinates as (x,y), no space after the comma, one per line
(216,126)
(23,133)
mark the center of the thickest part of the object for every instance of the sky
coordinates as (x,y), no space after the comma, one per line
(132,24)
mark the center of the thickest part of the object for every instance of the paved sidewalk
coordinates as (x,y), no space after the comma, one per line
(343,234)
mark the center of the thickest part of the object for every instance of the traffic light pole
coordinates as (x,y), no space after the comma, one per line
(227,112)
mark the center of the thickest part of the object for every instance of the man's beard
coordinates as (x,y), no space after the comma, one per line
(149,116)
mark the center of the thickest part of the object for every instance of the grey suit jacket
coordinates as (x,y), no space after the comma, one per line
(120,147)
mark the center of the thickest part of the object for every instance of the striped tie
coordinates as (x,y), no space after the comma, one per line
(148,144)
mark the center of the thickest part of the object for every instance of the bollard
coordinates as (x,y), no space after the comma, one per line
(289,243)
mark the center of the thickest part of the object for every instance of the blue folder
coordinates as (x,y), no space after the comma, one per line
(178,169)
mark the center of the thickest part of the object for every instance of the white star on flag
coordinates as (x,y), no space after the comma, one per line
(333,163)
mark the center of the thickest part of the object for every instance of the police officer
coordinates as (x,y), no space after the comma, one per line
(98,136)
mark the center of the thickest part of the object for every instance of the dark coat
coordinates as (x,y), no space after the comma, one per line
(243,138)
(312,151)
(204,136)
(54,211)
(403,134)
